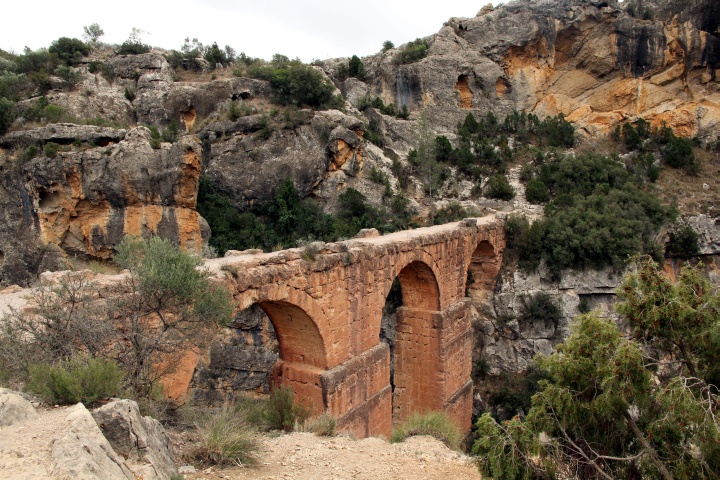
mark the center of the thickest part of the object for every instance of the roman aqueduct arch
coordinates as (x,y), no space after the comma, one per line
(327,314)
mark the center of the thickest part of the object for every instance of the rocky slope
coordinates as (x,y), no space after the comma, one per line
(589,60)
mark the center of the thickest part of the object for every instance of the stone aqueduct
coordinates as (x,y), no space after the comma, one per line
(326,308)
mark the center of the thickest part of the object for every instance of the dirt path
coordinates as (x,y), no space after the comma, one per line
(25,449)
(304,456)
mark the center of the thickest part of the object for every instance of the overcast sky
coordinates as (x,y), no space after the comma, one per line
(310,30)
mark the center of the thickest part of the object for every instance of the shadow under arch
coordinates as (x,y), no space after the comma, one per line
(297,333)
(409,328)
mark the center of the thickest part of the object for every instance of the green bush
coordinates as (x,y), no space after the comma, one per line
(69,50)
(51,149)
(8,112)
(497,187)
(294,83)
(536,191)
(129,47)
(283,412)
(323,426)
(30,153)
(226,438)
(69,76)
(77,379)
(436,424)
(387,45)
(682,242)
(355,67)
(539,309)
(678,153)
(412,52)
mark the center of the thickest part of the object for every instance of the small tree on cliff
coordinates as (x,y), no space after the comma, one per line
(168,306)
(621,408)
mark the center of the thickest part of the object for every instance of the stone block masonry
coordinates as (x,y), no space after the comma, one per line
(327,311)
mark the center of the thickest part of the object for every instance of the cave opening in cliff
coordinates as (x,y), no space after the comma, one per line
(466,95)
(407,328)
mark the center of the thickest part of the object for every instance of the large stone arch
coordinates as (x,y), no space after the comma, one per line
(297,334)
(299,322)
(415,356)
(301,330)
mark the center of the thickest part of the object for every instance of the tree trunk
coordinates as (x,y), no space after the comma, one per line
(647,447)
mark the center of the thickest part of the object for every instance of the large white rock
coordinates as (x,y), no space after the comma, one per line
(14,408)
(81,452)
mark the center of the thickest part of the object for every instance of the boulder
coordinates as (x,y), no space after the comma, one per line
(14,408)
(81,452)
(140,440)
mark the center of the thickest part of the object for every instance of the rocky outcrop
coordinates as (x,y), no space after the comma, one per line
(63,134)
(85,201)
(15,409)
(81,452)
(190,103)
(325,148)
(141,441)
(240,359)
(588,60)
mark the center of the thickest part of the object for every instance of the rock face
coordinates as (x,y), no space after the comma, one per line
(588,60)
(85,200)
(508,345)
(240,359)
(321,152)
(140,440)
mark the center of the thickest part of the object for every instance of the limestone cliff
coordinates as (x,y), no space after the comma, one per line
(589,60)
(85,200)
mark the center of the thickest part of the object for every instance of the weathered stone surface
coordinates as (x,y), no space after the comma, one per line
(81,452)
(64,134)
(325,147)
(240,359)
(14,409)
(590,61)
(708,229)
(189,103)
(140,440)
(86,201)
(508,346)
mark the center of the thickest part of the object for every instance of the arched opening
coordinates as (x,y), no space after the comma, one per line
(188,118)
(502,87)
(482,272)
(408,327)
(268,343)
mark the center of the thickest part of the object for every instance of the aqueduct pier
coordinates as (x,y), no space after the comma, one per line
(326,308)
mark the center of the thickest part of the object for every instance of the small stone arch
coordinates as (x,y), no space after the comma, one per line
(297,334)
(482,271)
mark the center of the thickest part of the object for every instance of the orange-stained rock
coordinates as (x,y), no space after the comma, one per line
(86,201)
